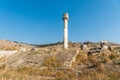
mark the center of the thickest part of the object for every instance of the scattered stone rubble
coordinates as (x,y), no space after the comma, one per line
(103,46)
(68,57)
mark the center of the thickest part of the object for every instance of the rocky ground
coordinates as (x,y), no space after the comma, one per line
(51,62)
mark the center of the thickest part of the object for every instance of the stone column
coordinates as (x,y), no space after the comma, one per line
(65,19)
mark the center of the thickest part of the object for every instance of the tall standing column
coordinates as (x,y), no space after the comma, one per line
(65,19)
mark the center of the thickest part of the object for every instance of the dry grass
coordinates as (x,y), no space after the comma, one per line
(52,61)
(92,59)
(53,70)
(23,73)
(31,73)
(100,76)
(9,48)
(113,56)
(27,73)
(81,58)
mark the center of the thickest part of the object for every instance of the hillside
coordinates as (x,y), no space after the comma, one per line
(12,45)
(51,62)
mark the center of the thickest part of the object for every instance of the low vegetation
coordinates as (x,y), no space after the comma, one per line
(50,58)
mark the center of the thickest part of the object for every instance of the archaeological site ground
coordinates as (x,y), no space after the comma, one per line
(81,61)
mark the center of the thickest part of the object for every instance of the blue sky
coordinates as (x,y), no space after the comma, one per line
(40,21)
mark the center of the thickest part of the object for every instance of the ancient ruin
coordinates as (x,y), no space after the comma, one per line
(65,19)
